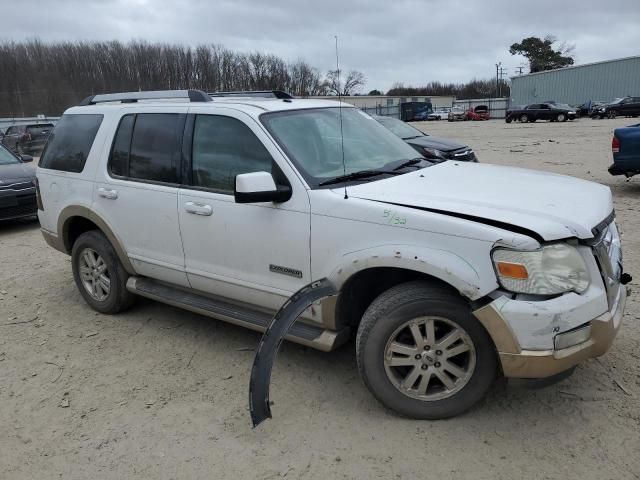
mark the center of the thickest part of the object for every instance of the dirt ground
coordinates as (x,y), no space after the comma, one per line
(160,393)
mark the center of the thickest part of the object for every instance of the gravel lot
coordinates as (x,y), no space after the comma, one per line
(160,393)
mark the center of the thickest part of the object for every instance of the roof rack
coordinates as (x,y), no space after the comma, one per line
(132,97)
(255,93)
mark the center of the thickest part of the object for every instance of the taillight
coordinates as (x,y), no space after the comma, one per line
(615,145)
(38,197)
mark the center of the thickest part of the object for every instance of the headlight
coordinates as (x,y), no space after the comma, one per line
(571,112)
(551,270)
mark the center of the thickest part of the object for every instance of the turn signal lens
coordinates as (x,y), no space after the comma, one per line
(512,270)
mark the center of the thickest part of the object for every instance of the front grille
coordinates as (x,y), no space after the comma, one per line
(26,205)
(608,252)
(15,186)
(464,154)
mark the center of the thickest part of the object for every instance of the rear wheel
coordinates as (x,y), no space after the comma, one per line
(99,275)
(524,118)
(422,353)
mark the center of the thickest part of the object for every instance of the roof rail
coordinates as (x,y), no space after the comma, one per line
(132,97)
(255,93)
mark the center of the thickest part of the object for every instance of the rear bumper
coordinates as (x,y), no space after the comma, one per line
(519,363)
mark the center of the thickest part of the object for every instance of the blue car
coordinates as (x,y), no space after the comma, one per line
(625,146)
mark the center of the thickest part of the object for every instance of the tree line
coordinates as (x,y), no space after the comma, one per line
(473,89)
(38,77)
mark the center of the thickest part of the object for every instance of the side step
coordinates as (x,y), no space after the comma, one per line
(302,333)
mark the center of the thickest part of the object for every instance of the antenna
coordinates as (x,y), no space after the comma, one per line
(344,165)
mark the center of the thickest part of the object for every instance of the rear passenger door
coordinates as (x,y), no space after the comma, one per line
(254,253)
(136,191)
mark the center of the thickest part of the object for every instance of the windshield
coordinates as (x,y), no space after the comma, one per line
(6,157)
(313,142)
(399,128)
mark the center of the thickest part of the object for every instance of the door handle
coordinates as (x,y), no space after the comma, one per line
(198,208)
(110,194)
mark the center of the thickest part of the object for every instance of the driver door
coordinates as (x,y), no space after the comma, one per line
(255,253)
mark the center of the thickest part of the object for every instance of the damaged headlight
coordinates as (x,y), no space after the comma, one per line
(551,270)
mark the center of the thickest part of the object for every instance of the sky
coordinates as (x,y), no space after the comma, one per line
(408,41)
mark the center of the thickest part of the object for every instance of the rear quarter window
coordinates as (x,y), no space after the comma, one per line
(70,142)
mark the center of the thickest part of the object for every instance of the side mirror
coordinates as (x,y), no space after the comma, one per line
(26,158)
(257,187)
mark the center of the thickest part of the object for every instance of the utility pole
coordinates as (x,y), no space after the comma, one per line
(519,69)
(498,65)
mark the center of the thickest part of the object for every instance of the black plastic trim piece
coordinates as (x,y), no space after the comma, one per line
(280,195)
(267,350)
(254,93)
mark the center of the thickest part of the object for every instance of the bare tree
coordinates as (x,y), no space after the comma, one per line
(38,77)
(351,84)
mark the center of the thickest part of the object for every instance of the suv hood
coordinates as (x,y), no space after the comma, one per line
(551,205)
(443,144)
(16,171)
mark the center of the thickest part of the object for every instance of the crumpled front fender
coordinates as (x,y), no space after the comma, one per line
(471,281)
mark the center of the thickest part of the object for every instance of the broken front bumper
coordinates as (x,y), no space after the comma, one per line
(522,363)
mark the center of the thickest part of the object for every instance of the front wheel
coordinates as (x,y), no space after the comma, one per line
(612,114)
(561,117)
(422,354)
(524,118)
(98,273)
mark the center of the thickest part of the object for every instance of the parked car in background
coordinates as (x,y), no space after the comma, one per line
(422,115)
(433,148)
(27,139)
(457,113)
(627,107)
(439,113)
(552,112)
(17,186)
(625,146)
(481,112)
(587,109)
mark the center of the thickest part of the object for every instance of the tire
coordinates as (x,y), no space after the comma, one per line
(508,119)
(612,114)
(95,244)
(524,118)
(561,117)
(386,321)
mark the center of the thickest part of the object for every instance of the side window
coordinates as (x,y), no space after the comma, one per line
(224,147)
(69,144)
(148,146)
(544,106)
(119,162)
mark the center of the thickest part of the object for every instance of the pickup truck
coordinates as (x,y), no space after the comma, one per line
(625,147)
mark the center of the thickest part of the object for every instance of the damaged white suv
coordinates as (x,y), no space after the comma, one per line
(448,274)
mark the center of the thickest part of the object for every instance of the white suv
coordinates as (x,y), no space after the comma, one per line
(448,274)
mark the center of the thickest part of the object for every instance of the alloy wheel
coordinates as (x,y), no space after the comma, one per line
(94,274)
(429,358)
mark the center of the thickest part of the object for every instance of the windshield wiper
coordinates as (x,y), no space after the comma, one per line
(409,163)
(357,176)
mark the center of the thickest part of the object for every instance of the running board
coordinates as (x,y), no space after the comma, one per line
(302,333)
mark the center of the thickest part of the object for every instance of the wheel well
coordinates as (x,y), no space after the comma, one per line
(75,227)
(363,287)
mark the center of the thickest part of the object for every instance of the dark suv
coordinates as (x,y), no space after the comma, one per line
(627,106)
(27,139)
